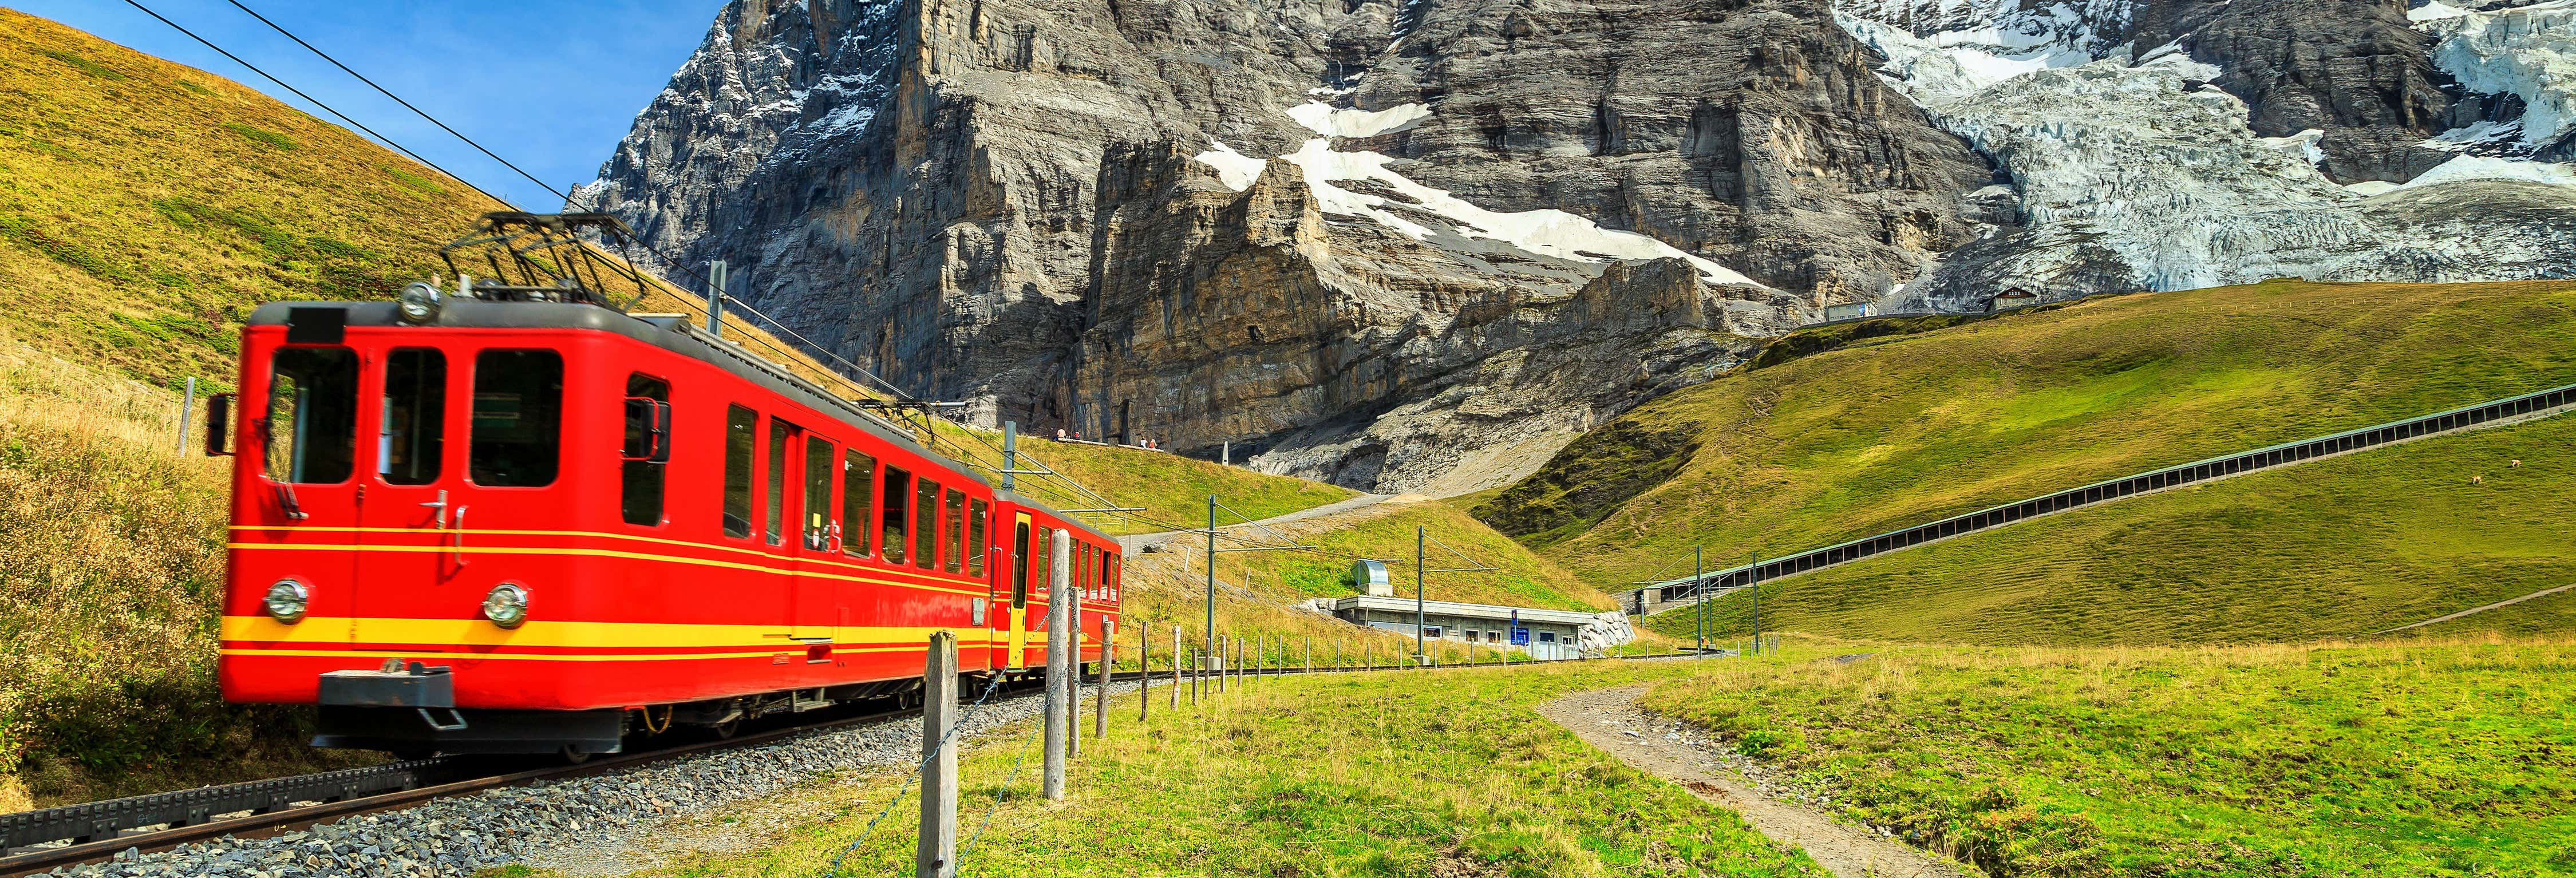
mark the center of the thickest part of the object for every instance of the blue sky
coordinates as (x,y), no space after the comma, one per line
(549,84)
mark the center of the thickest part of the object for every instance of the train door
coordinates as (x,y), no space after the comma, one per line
(814,608)
(306,426)
(413,510)
(1022,532)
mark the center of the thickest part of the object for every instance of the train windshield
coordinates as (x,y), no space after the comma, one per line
(312,432)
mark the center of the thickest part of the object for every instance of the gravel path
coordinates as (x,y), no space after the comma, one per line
(556,823)
(1788,812)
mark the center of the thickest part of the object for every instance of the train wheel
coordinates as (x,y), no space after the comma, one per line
(724,731)
(573,755)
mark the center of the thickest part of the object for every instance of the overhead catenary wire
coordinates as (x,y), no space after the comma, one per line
(669,262)
(442,126)
(344,117)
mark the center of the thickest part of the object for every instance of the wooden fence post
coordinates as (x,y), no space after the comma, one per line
(1100,693)
(936,855)
(1073,692)
(1144,672)
(1058,671)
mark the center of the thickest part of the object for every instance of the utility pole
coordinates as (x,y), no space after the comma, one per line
(1756,573)
(1211,576)
(1010,452)
(1699,590)
(715,298)
(1419,534)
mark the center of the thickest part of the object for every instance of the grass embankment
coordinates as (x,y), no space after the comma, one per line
(1850,442)
(1431,773)
(1171,489)
(2421,759)
(2334,548)
(1256,591)
(108,600)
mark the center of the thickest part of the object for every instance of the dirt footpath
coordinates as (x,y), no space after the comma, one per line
(1610,719)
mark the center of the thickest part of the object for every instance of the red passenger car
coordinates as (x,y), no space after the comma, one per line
(515,521)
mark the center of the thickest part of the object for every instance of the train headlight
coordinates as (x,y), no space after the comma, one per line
(286,601)
(418,303)
(507,605)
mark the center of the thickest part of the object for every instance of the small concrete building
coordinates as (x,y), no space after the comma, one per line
(1370,578)
(1542,634)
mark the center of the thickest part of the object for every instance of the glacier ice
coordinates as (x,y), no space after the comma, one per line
(2131,164)
(2528,52)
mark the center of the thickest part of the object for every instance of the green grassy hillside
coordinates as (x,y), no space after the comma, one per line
(146,207)
(1256,590)
(1171,489)
(2423,759)
(1850,442)
(2334,548)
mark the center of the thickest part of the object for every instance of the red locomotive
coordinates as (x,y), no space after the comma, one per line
(515,519)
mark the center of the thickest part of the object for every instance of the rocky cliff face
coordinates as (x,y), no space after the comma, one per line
(1028,206)
(1420,246)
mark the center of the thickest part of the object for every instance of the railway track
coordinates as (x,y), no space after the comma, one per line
(257,809)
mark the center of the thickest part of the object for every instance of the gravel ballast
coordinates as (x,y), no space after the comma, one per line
(459,836)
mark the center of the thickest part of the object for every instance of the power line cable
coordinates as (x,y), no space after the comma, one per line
(344,68)
(344,117)
(666,259)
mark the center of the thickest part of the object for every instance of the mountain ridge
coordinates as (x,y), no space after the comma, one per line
(1078,216)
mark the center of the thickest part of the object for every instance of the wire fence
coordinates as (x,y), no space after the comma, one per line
(932,755)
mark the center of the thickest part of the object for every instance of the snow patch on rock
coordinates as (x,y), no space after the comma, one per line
(1327,120)
(1234,169)
(1547,232)
(2478,167)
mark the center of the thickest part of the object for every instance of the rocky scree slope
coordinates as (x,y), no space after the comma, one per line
(1420,246)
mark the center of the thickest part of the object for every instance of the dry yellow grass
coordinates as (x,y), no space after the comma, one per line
(108,602)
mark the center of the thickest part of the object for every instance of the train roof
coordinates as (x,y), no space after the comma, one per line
(671,332)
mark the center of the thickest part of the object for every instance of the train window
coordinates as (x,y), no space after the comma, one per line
(976,545)
(1046,560)
(955,530)
(925,525)
(898,490)
(518,418)
(818,494)
(408,441)
(742,435)
(640,480)
(1020,567)
(779,431)
(313,406)
(858,489)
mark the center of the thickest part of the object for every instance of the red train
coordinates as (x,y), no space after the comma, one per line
(513,519)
